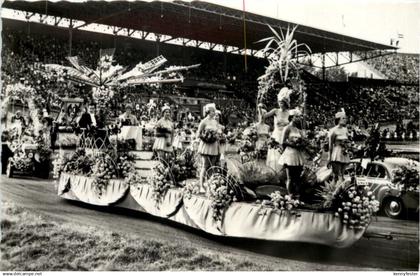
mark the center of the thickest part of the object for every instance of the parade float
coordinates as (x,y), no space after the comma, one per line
(28,142)
(245,198)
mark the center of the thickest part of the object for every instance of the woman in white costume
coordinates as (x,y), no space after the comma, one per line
(209,151)
(281,119)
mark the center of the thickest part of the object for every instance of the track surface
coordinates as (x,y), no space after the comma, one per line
(401,253)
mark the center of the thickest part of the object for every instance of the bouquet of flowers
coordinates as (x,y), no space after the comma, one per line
(273,144)
(221,194)
(162,131)
(297,143)
(161,181)
(347,147)
(208,136)
(279,202)
(406,178)
(355,205)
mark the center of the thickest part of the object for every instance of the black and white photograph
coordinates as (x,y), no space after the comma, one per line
(217,135)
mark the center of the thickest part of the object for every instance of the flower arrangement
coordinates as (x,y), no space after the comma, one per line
(134,178)
(161,181)
(406,178)
(183,166)
(281,50)
(78,163)
(221,194)
(104,167)
(248,150)
(23,162)
(355,205)
(125,165)
(103,170)
(190,188)
(280,202)
(208,136)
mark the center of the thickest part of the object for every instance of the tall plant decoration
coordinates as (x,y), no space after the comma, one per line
(281,51)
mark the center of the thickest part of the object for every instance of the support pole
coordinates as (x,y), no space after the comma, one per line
(323,66)
(70,36)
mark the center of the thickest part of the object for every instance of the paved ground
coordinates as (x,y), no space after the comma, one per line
(401,253)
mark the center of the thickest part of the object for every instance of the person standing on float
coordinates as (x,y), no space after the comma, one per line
(338,157)
(163,141)
(293,157)
(209,152)
(281,120)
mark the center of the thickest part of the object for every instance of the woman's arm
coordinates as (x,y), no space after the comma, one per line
(269,114)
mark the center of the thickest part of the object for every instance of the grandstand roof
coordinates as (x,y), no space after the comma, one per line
(194,20)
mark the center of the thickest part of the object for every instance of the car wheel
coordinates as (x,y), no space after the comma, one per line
(9,170)
(393,207)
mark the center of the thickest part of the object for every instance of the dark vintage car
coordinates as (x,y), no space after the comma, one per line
(378,175)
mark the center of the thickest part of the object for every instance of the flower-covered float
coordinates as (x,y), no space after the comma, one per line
(244,199)
(236,205)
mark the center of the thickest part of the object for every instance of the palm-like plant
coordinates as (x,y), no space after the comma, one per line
(281,51)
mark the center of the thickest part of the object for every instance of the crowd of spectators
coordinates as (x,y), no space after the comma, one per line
(403,68)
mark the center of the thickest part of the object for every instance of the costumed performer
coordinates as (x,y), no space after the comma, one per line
(164,134)
(281,120)
(338,157)
(293,156)
(208,147)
